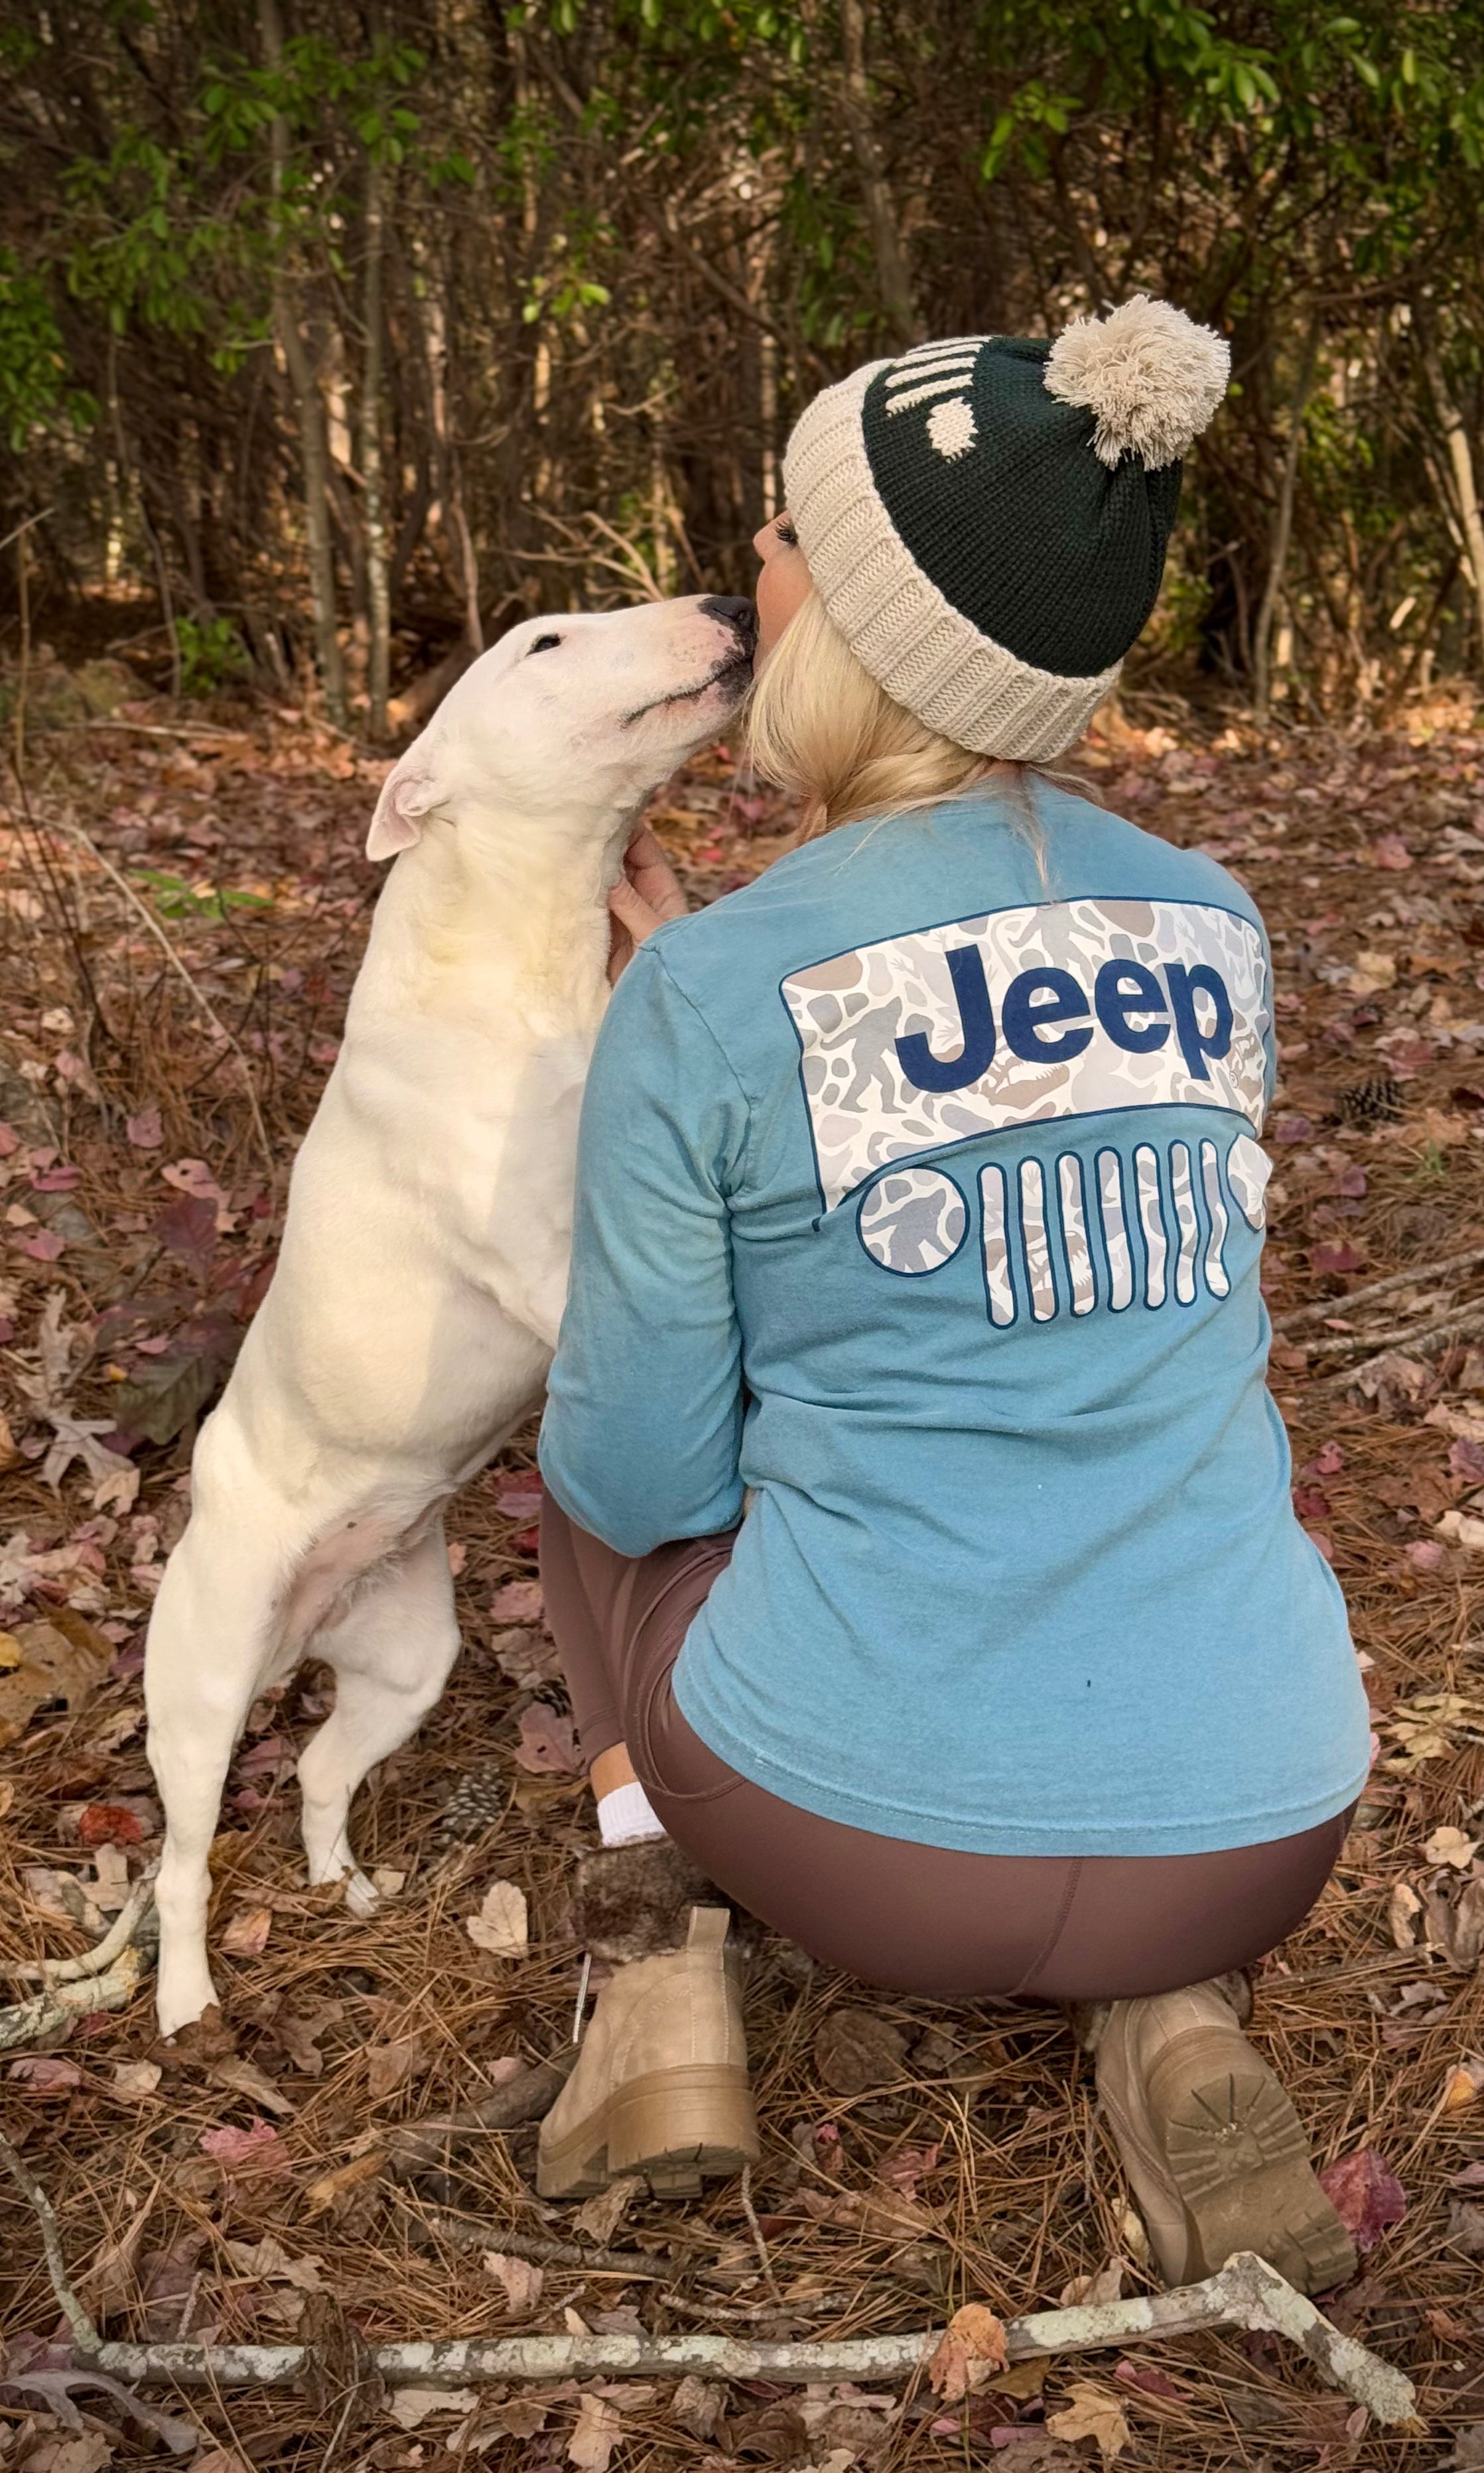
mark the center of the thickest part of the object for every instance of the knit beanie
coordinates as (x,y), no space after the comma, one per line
(986,518)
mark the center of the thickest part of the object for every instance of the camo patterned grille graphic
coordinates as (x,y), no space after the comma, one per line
(1058,1009)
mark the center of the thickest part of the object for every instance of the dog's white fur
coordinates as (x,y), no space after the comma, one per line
(414,1306)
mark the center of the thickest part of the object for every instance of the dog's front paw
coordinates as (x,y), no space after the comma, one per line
(362,1896)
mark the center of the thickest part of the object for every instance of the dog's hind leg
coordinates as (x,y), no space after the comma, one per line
(392,1649)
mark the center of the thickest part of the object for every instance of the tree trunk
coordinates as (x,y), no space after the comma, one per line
(314,452)
(379,596)
(1460,456)
(892,273)
(1282,528)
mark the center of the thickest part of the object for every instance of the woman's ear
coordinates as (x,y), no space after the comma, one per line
(409,793)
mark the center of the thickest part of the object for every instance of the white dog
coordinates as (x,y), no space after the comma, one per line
(414,1306)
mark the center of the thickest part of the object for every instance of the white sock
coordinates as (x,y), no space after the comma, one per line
(627,1815)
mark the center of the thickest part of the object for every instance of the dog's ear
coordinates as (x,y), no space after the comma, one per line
(408,794)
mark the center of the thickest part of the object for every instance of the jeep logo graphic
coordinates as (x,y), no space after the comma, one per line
(1060,1009)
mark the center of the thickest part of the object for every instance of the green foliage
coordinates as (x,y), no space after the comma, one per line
(34,382)
(212,655)
(174,899)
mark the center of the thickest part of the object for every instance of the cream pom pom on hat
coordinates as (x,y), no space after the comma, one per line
(986,518)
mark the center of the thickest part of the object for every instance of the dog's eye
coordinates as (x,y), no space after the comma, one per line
(544,644)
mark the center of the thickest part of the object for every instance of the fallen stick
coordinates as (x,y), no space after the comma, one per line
(482,2233)
(1247,2293)
(97,1960)
(425,2145)
(1436,1334)
(107,1977)
(1454,1264)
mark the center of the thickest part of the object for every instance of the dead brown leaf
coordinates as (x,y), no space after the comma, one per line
(595,2434)
(388,2066)
(54,1664)
(1092,2414)
(969,2351)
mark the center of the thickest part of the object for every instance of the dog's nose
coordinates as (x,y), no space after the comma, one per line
(738,615)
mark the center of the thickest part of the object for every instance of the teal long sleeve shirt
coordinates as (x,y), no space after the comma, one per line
(920,1192)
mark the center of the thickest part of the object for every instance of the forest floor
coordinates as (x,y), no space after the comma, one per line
(168,1027)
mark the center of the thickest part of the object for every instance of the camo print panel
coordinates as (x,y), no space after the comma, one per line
(850,1009)
(913,1221)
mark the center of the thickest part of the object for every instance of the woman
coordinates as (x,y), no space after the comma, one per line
(919,1543)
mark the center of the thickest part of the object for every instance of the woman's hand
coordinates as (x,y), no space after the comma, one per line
(646,895)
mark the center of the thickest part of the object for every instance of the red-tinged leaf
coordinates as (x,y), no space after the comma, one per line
(262,1757)
(1425,1554)
(45,2075)
(1466,1460)
(10,1141)
(527,1541)
(1391,852)
(43,1245)
(246,1933)
(188,1231)
(1341,1257)
(548,1741)
(109,1824)
(56,1180)
(519,1497)
(904,2168)
(1139,2374)
(1311,1502)
(1365,2194)
(1352,1181)
(257,2150)
(1472,2177)
(145,1131)
(518,1601)
(1294,1129)
(1328,1460)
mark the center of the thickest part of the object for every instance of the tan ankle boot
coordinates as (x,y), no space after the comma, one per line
(661,2086)
(1211,2143)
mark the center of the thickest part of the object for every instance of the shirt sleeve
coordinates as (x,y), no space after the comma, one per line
(643,1418)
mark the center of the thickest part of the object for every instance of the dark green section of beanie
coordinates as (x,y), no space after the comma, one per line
(1030,537)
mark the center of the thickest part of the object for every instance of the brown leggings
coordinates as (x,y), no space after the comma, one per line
(919,1919)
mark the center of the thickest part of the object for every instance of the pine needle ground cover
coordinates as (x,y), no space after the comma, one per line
(182,905)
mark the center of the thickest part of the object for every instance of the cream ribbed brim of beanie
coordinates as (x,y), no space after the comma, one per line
(986,518)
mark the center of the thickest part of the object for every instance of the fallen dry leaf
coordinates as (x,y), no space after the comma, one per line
(518,1601)
(53,1665)
(1106,2285)
(1092,2414)
(245,2077)
(548,1742)
(45,2075)
(246,1933)
(969,2351)
(1452,1846)
(595,2434)
(521,2281)
(1464,2082)
(501,1924)
(136,2079)
(408,2406)
(599,2216)
(855,2051)
(256,2150)
(388,2066)
(1366,2195)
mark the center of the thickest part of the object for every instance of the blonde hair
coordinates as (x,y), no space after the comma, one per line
(818,723)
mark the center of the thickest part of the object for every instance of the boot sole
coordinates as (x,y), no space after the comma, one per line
(1236,2151)
(673,2129)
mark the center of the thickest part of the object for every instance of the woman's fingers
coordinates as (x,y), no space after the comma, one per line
(653,877)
